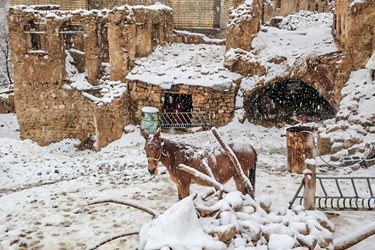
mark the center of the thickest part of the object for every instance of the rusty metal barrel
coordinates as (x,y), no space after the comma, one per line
(300,146)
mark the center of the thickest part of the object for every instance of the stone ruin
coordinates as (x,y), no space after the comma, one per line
(54,49)
(69,68)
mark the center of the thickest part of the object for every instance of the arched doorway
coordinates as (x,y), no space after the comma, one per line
(287,101)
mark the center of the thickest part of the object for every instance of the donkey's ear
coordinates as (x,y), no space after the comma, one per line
(157,133)
(144,134)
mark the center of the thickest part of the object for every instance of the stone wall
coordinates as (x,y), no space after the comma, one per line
(7,104)
(286,7)
(186,14)
(64,5)
(354,29)
(48,108)
(205,100)
(180,36)
(326,73)
(243,25)
(48,113)
(109,120)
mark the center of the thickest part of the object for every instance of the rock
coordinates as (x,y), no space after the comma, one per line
(333,128)
(324,144)
(339,155)
(265,203)
(336,147)
(225,233)
(307,241)
(281,242)
(252,229)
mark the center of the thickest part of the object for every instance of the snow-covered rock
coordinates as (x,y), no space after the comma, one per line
(236,222)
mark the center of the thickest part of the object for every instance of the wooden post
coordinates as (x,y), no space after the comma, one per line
(310,184)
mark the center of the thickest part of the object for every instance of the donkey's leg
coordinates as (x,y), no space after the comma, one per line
(239,184)
(252,175)
(183,190)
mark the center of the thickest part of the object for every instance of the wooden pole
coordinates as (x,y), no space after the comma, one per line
(310,184)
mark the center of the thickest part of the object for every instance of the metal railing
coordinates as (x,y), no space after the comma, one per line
(330,194)
(185,119)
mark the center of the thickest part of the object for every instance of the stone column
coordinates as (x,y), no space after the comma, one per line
(92,52)
(121,41)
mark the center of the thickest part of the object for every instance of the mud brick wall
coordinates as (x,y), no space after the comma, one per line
(206,100)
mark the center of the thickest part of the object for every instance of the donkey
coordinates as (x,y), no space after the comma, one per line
(172,154)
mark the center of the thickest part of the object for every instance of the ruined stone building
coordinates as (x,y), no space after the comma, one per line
(60,59)
(84,73)
(325,73)
(205,14)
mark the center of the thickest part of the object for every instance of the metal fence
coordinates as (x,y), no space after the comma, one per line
(341,193)
(185,119)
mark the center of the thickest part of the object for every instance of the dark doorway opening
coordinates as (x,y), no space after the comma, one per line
(289,101)
(174,103)
(179,106)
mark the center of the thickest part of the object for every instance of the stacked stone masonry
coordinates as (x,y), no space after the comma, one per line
(186,14)
(354,26)
(220,105)
(48,108)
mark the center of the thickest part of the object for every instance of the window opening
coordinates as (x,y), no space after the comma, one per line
(35,35)
(74,46)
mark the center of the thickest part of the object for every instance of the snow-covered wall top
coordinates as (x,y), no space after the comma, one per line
(198,65)
(51,11)
(244,11)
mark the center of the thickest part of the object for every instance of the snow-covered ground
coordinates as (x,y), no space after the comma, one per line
(45,191)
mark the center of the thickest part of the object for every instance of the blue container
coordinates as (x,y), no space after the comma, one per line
(150,120)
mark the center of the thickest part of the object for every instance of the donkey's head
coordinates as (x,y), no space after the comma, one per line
(154,151)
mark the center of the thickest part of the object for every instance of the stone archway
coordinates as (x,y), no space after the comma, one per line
(287,101)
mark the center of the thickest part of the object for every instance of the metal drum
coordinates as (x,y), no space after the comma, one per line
(150,120)
(300,146)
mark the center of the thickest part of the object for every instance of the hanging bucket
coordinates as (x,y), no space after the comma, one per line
(150,120)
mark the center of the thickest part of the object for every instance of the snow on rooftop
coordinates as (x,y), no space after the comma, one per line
(197,65)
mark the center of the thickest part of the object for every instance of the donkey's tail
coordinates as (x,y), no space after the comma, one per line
(252,172)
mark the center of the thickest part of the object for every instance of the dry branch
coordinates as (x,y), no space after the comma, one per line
(105,241)
(148,210)
(248,187)
(203,177)
(208,169)
(350,240)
